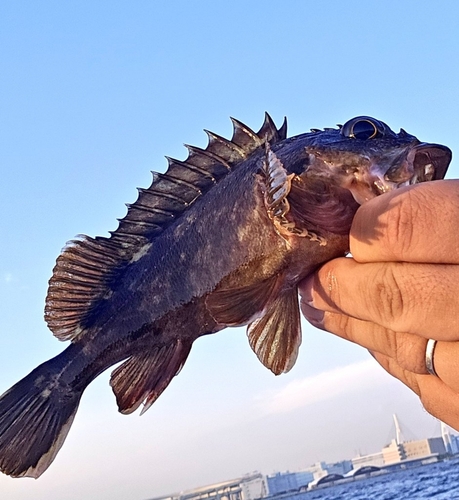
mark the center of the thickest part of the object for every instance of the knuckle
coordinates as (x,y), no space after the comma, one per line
(331,290)
(392,344)
(399,223)
(409,352)
(346,326)
(338,324)
(388,303)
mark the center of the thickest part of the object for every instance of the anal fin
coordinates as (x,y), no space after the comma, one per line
(238,306)
(144,376)
(275,337)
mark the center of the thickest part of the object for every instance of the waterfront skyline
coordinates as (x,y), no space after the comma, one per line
(397,455)
(92,96)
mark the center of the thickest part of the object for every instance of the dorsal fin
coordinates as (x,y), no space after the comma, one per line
(87,268)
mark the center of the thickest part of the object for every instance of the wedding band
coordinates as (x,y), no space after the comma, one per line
(429,356)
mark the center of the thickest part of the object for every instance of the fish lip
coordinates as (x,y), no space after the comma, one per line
(421,162)
(425,154)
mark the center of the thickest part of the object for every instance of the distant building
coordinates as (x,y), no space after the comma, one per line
(398,455)
(248,487)
(374,459)
(409,450)
(393,453)
(424,447)
(303,478)
(446,436)
(252,487)
(454,444)
(450,440)
(342,467)
(317,470)
(281,482)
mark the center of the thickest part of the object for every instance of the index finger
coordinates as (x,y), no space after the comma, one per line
(413,224)
(404,297)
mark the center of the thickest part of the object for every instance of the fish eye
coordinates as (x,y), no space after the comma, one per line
(362,127)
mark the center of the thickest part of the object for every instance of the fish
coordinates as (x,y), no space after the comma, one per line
(219,240)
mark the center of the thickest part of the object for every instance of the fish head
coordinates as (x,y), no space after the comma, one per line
(368,158)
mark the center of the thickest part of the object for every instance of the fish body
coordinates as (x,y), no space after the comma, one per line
(221,239)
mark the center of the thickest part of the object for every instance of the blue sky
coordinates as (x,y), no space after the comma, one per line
(92,96)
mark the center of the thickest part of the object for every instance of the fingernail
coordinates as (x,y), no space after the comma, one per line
(314,316)
(305,290)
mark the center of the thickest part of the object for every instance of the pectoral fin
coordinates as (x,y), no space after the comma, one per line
(239,305)
(275,337)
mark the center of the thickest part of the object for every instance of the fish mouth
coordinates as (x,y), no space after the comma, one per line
(430,162)
(423,162)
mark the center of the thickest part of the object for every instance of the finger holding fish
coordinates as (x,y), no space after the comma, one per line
(412,224)
(421,299)
(403,274)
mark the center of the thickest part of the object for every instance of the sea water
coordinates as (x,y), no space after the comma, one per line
(439,481)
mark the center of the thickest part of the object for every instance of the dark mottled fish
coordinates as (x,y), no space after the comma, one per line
(221,239)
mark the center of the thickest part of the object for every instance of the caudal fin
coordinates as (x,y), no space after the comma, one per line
(35,417)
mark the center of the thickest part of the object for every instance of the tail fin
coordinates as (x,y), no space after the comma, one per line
(35,417)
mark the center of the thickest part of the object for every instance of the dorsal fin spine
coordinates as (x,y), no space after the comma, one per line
(282,132)
(77,256)
(269,132)
(216,142)
(141,223)
(160,194)
(131,237)
(189,166)
(247,133)
(176,180)
(198,152)
(146,208)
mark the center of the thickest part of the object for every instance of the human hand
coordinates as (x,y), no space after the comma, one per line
(399,289)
